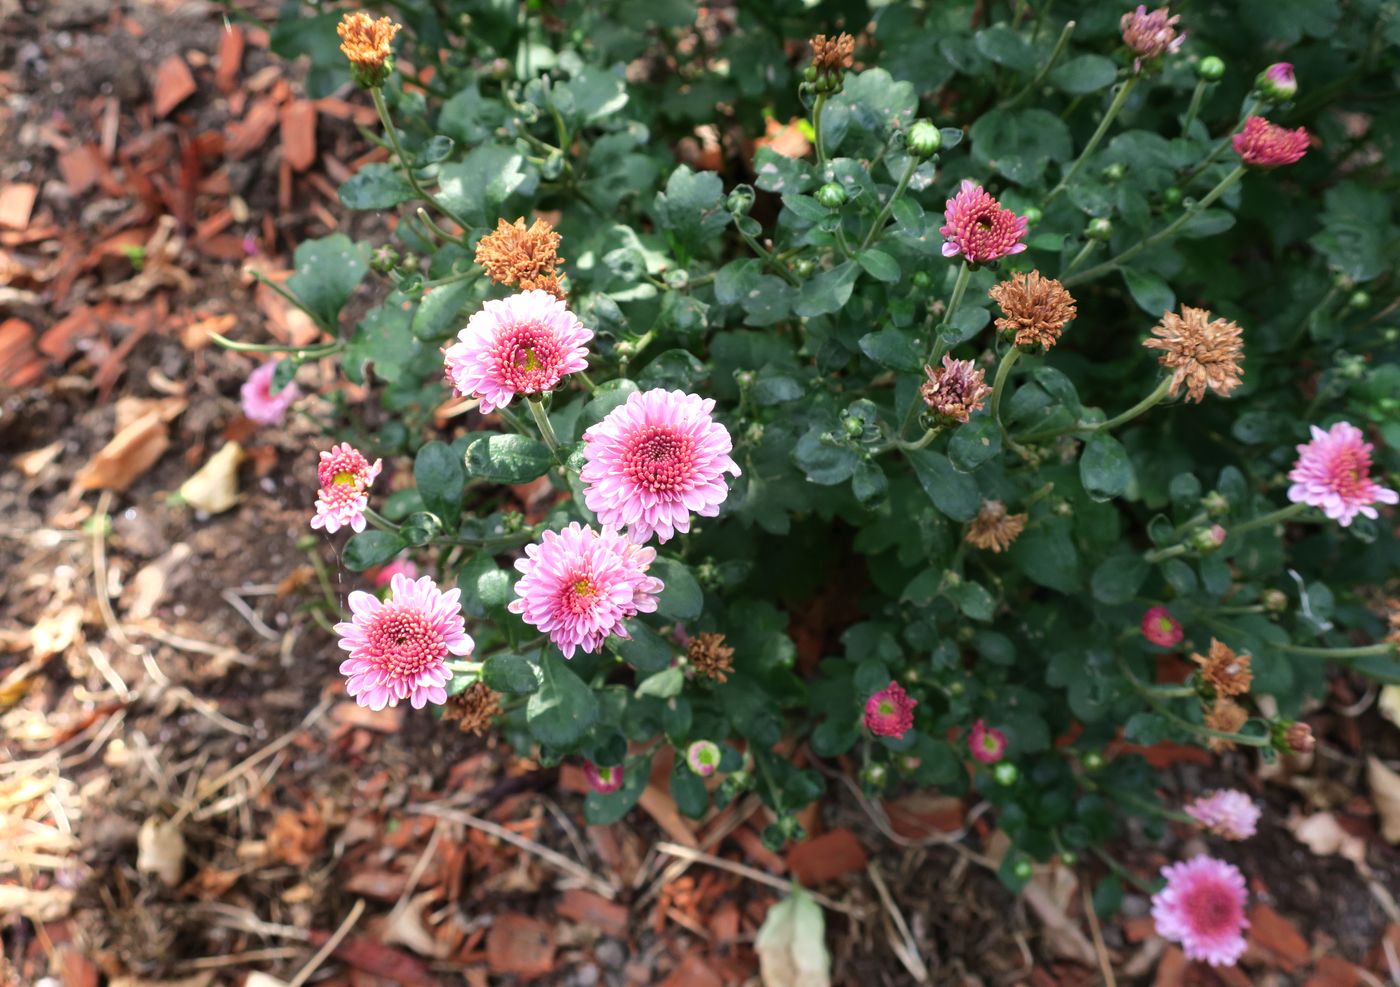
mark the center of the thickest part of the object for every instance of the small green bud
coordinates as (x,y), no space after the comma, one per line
(875,775)
(1207,540)
(921,279)
(810,73)
(1171,195)
(951,579)
(1092,761)
(1215,504)
(1023,869)
(1099,228)
(924,139)
(410,264)
(912,675)
(804,268)
(1115,172)
(383,259)
(1069,858)
(831,195)
(740,200)
(1006,774)
(853,426)
(966,634)
(1210,68)
(1274,600)
(1033,215)
(956,687)
(908,763)
(1359,299)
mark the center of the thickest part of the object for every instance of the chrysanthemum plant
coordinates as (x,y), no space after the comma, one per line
(929,440)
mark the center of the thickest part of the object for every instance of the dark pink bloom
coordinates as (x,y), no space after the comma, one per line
(890,712)
(978,227)
(987,744)
(1266,145)
(1161,628)
(1333,472)
(345,476)
(259,403)
(1202,907)
(1229,813)
(603,780)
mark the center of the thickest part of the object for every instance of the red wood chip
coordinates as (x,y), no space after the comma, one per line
(174,84)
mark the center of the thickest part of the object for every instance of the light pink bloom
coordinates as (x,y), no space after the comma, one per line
(1161,628)
(579,585)
(890,712)
(523,344)
(603,780)
(1150,35)
(397,567)
(1267,145)
(978,227)
(1202,907)
(1228,813)
(987,744)
(259,403)
(1333,472)
(655,460)
(345,476)
(703,757)
(399,647)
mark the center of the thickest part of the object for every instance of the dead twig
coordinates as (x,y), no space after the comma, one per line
(313,964)
(897,929)
(753,874)
(1105,965)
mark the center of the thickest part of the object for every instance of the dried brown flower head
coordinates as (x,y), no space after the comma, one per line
(710,656)
(1228,672)
(956,389)
(475,708)
(1300,738)
(833,54)
(1150,34)
(1033,307)
(1200,351)
(1226,716)
(515,255)
(994,528)
(367,43)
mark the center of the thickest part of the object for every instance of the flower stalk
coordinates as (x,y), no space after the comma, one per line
(1109,115)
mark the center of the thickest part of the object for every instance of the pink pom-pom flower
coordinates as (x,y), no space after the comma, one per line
(703,757)
(579,585)
(1202,907)
(987,744)
(890,712)
(1333,472)
(980,228)
(603,780)
(345,476)
(1161,628)
(399,647)
(655,460)
(1229,813)
(259,403)
(1262,144)
(524,344)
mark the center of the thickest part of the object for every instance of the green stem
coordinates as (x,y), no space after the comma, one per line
(999,384)
(542,422)
(939,345)
(1055,54)
(300,352)
(377,95)
(1080,257)
(1144,690)
(321,323)
(1220,145)
(769,259)
(1153,399)
(1098,135)
(587,380)
(1265,520)
(1361,651)
(1197,95)
(380,521)
(883,216)
(1162,554)
(817,108)
(1146,805)
(1122,871)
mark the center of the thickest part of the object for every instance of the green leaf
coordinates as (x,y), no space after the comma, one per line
(485,585)
(824,462)
(892,348)
(692,207)
(827,291)
(879,265)
(953,493)
(371,548)
(1105,468)
(1118,578)
(507,459)
(593,94)
(974,444)
(869,483)
(645,650)
(973,600)
(439,312)
(1084,74)
(682,598)
(511,674)
(328,272)
(1047,555)
(1020,143)
(376,186)
(604,809)
(441,478)
(689,791)
(1005,46)
(1152,294)
(665,684)
(564,708)
(477,186)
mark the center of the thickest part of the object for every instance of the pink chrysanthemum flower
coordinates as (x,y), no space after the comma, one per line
(702,757)
(523,344)
(655,460)
(399,647)
(603,780)
(345,476)
(1229,813)
(890,712)
(978,227)
(398,567)
(1150,34)
(1202,907)
(1267,145)
(259,403)
(1161,628)
(1333,472)
(1278,81)
(579,585)
(987,744)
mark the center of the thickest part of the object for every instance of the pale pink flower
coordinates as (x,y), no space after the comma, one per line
(399,647)
(1229,813)
(1150,34)
(579,585)
(259,403)
(655,460)
(397,567)
(703,757)
(1333,472)
(978,227)
(603,780)
(1266,145)
(345,476)
(890,712)
(1161,628)
(1202,907)
(523,344)
(987,744)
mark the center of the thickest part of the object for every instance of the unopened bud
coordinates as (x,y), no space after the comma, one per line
(924,139)
(1099,228)
(1274,600)
(383,259)
(1115,172)
(1093,761)
(1215,504)
(1171,195)
(831,195)
(1033,215)
(875,775)
(1359,299)
(1023,869)
(1210,68)
(1006,774)
(1277,83)
(740,200)
(1207,540)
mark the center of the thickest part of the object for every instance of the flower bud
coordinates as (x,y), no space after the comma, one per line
(831,195)
(1033,215)
(804,268)
(924,139)
(1171,195)
(921,279)
(1215,504)
(1023,869)
(810,73)
(1359,299)
(1277,83)
(1115,172)
(410,264)
(1210,68)
(1099,228)
(740,200)
(908,763)
(1207,540)
(1093,761)
(383,259)
(874,776)
(1006,774)
(1274,600)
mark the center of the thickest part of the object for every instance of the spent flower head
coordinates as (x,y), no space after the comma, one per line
(1262,144)
(1150,34)
(1224,716)
(955,390)
(994,528)
(368,44)
(1229,813)
(1229,673)
(1201,352)
(515,255)
(710,656)
(1202,907)
(1035,308)
(977,226)
(833,54)
(1333,472)
(474,709)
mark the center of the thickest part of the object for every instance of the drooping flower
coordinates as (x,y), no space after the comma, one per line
(833,54)
(987,744)
(1333,472)
(1033,307)
(524,344)
(603,780)
(1228,672)
(345,477)
(1277,82)
(1229,813)
(955,390)
(260,404)
(1300,738)
(703,757)
(515,255)
(399,647)
(579,585)
(367,43)
(1262,144)
(655,460)
(1225,716)
(397,567)
(1150,34)
(1200,351)
(978,227)
(890,712)
(710,656)
(993,528)
(1202,907)
(474,709)
(1161,628)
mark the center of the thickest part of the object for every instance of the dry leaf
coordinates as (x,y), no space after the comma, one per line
(1049,893)
(214,488)
(259,979)
(406,927)
(1385,793)
(148,585)
(1389,703)
(791,943)
(1324,836)
(48,905)
(54,633)
(133,451)
(32,463)
(160,850)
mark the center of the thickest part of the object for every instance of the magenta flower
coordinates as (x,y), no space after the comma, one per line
(1161,628)
(523,344)
(987,744)
(579,585)
(1266,145)
(703,757)
(399,647)
(259,403)
(386,573)
(603,780)
(1228,813)
(976,226)
(1202,907)
(890,712)
(1333,472)
(655,460)
(345,476)
(1278,81)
